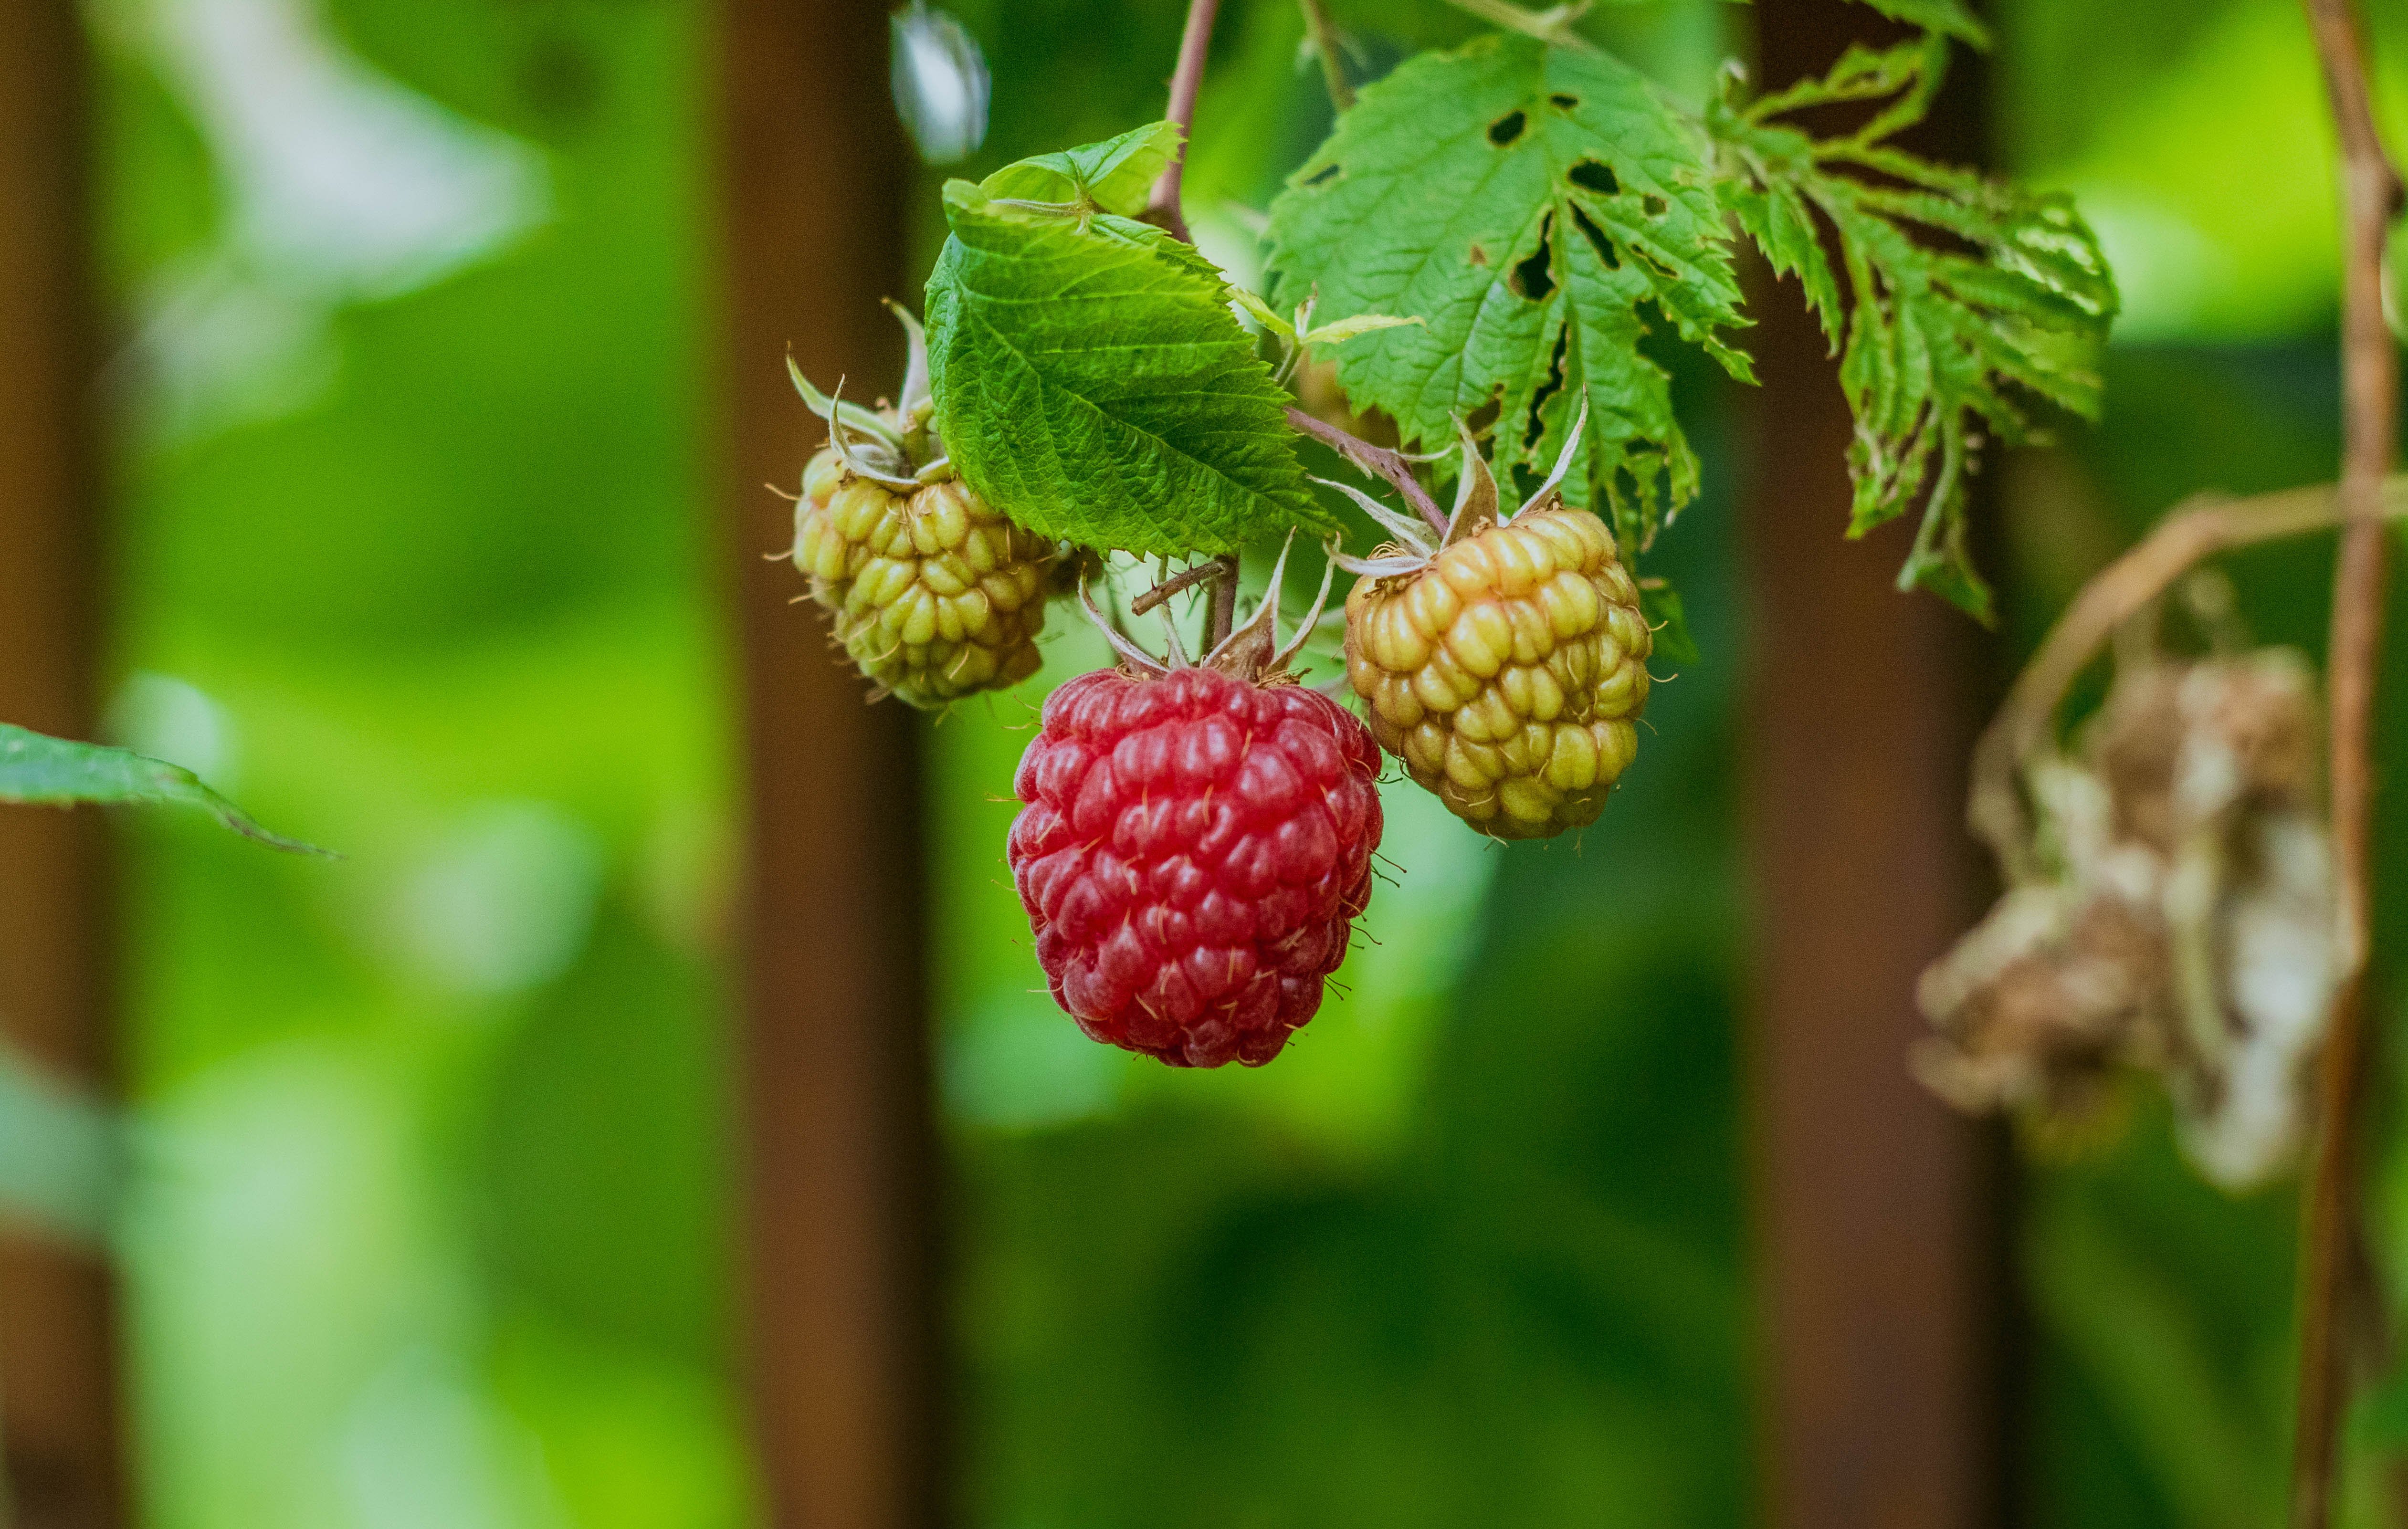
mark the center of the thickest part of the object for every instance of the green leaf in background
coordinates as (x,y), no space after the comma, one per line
(1964,299)
(40,771)
(1946,16)
(1526,203)
(1090,380)
(1660,604)
(61,1153)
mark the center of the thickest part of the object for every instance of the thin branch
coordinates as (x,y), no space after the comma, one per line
(2331,1230)
(1324,37)
(2181,540)
(1185,578)
(1194,42)
(1376,460)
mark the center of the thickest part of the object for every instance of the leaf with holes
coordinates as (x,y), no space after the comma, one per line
(1956,302)
(37,770)
(1542,210)
(1090,379)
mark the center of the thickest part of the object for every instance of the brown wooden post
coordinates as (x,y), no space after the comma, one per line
(845,1316)
(1883,1269)
(58,1366)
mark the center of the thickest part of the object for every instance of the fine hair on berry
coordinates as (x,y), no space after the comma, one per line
(1192,853)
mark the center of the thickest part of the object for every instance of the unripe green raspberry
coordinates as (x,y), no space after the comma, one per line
(1508,672)
(936,595)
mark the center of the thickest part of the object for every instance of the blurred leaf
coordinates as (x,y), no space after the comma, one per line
(1948,17)
(61,1154)
(2127,1326)
(40,771)
(1091,380)
(1964,297)
(603,1170)
(1524,202)
(460,566)
(1661,605)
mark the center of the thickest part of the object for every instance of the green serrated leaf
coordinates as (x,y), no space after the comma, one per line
(1091,382)
(1662,604)
(37,770)
(1264,314)
(1115,176)
(1532,206)
(1954,304)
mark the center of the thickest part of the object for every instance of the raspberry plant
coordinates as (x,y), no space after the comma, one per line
(1490,251)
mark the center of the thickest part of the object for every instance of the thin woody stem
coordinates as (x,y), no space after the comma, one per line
(2330,1233)
(1185,578)
(2127,587)
(1186,80)
(1161,207)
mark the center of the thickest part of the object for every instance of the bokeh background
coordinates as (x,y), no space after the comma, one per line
(424,1184)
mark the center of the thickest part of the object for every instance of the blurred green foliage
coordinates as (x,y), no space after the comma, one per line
(427,1223)
(428,1177)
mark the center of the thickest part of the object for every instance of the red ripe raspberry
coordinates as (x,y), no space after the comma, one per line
(1194,849)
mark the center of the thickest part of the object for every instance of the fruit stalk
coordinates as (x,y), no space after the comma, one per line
(1221,617)
(1377,460)
(2332,1247)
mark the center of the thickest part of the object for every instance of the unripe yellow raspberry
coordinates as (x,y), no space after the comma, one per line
(936,594)
(1509,674)
(1504,660)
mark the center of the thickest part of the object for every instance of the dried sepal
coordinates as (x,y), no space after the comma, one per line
(1411,534)
(915,402)
(1250,652)
(1131,655)
(1476,499)
(882,459)
(1550,493)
